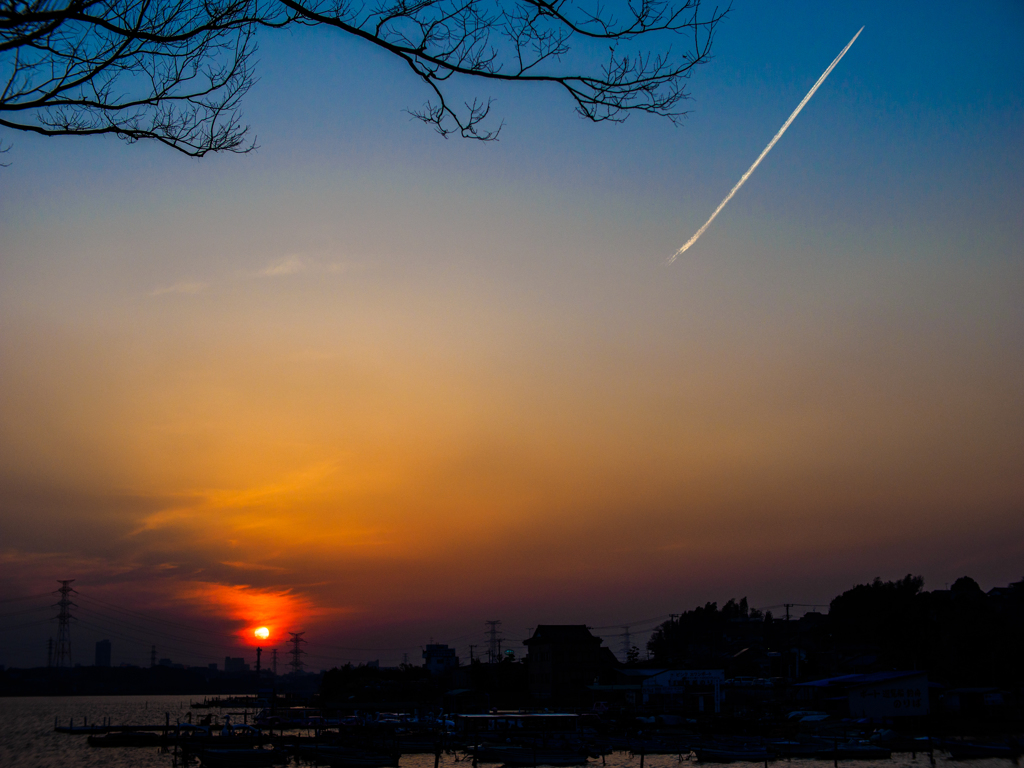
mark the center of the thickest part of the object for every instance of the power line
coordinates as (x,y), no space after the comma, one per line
(27,624)
(163,634)
(313,644)
(25,597)
(493,640)
(403,649)
(636,623)
(787,606)
(148,617)
(147,642)
(132,627)
(143,637)
(25,610)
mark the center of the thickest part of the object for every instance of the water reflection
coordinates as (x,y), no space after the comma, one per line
(27,738)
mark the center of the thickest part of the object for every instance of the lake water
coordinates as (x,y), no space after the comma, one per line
(27,738)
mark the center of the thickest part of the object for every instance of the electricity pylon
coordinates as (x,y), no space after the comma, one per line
(296,651)
(65,605)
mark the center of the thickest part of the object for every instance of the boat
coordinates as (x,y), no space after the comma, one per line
(787,748)
(969,750)
(413,745)
(898,742)
(520,755)
(854,750)
(239,757)
(661,746)
(349,757)
(128,739)
(733,755)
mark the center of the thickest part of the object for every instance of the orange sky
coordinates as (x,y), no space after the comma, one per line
(396,467)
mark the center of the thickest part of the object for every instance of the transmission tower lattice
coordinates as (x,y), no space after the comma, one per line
(63,651)
(493,640)
(626,644)
(273,661)
(296,651)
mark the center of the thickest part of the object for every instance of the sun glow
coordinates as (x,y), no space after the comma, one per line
(253,609)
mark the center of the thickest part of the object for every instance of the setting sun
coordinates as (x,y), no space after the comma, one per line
(262,633)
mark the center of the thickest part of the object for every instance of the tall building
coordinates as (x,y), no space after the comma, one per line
(439,658)
(103,653)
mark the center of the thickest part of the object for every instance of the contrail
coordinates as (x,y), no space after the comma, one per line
(767,149)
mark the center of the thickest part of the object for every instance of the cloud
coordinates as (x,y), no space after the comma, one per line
(247,607)
(188,288)
(243,566)
(289,265)
(294,263)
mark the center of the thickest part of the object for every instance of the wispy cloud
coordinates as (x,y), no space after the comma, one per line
(243,566)
(294,263)
(289,265)
(277,608)
(188,288)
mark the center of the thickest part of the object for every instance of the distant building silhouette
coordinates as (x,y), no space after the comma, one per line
(234,664)
(875,694)
(439,658)
(103,653)
(563,659)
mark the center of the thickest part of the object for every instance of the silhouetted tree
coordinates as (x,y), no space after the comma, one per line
(878,617)
(633,656)
(367,683)
(960,636)
(697,636)
(176,70)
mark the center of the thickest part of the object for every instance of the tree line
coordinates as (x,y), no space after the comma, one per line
(961,635)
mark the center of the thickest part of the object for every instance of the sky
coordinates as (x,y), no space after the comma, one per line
(380,387)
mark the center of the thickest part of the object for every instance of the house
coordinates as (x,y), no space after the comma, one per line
(563,659)
(698,689)
(874,695)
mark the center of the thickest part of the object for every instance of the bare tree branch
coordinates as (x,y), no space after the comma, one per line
(176,70)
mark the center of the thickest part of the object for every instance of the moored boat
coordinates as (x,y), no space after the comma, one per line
(787,748)
(239,757)
(968,750)
(519,755)
(349,757)
(733,755)
(127,739)
(853,750)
